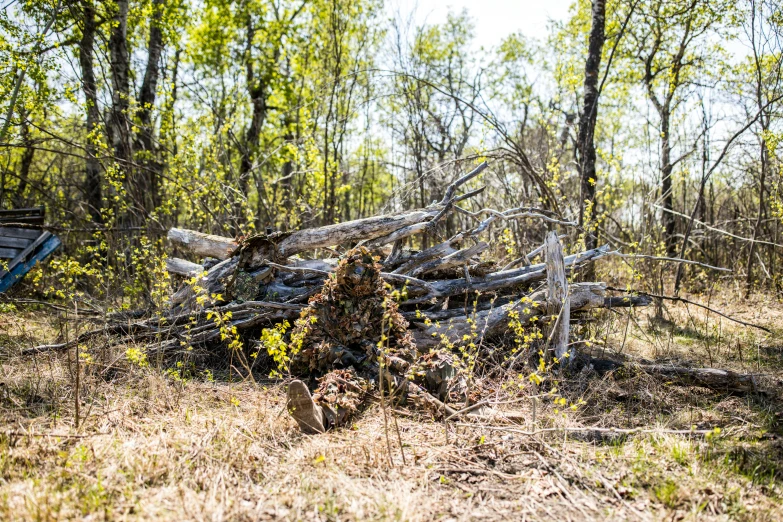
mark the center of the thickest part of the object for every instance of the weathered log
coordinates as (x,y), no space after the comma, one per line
(351,231)
(213,283)
(498,280)
(183,267)
(373,231)
(494,322)
(712,378)
(202,245)
(398,235)
(458,258)
(558,304)
(439,250)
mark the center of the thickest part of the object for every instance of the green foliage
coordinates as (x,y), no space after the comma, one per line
(289,114)
(274,342)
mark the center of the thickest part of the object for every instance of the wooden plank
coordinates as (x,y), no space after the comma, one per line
(558,303)
(21,256)
(9,253)
(26,233)
(18,272)
(14,242)
(33,220)
(35,211)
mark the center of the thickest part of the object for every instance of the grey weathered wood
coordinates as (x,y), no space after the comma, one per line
(183,267)
(351,231)
(457,258)
(494,322)
(374,231)
(9,253)
(14,242)
(439,250)
(214,283)
(26,233)
(573,259)
(558,303)
(528,258)
(202,245)
(398,234)
(712,378)
(503,279)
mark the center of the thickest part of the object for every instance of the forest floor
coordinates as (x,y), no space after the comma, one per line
(153,447)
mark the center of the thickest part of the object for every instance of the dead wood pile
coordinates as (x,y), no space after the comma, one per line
(449,292)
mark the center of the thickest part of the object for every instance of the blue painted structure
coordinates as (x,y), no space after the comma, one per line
(18,272)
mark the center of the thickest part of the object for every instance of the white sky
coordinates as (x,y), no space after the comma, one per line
(494,19)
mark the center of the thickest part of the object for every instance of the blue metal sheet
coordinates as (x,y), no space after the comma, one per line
(19,271)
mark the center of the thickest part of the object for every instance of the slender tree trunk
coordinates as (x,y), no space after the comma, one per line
(258,92)
(587,121)
(92,177)
(667,191)
(120,128)
(146,183)
(760,213)
(27,160)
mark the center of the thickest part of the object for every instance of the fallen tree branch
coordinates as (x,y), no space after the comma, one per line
(712,378)
(589,430)
(687,301)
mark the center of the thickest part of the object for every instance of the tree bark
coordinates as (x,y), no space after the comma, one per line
(200,244)
(26,162)
(146,183)
(667,192)
(587,121)
(120,129)
(92,177)
(558,303)
(257,90)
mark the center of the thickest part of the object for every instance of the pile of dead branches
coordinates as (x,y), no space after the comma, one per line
(448,293)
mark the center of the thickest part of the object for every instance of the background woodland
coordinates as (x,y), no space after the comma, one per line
(655,124)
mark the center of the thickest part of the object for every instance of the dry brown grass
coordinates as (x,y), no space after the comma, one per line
(150,447)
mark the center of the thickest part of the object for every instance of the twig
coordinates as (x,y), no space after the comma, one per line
(589,429)
(683,300)
(529,256)
(719,230)
(514,213)
(461,181)
(673,259)
(386,275)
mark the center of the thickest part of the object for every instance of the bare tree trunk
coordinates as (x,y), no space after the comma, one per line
(667,191)
(257,91)
(146,183)
(587,120)
(760,213)
(120,128)
(92,177)
(19,198)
